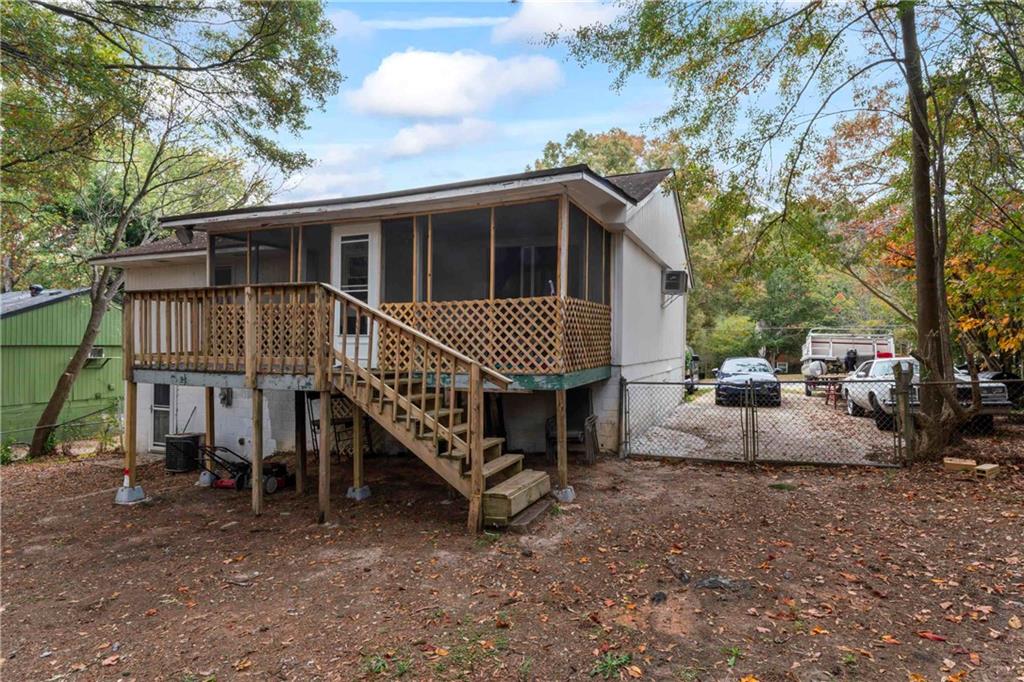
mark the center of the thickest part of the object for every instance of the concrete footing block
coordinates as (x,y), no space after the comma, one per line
(564,495)
(358,494)
(128,495)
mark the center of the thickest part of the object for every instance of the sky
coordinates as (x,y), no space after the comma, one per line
(441,92)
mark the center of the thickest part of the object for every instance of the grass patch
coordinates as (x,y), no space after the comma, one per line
(610,664)
(732,655)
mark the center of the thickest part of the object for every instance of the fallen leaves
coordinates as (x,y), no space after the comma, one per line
(242,664)
(928,634)
(111,660)
(1014,622)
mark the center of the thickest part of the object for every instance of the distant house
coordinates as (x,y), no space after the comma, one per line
(39,331)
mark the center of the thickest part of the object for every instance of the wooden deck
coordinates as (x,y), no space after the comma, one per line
(284,329)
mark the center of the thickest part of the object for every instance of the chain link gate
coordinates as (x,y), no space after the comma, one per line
(755,423)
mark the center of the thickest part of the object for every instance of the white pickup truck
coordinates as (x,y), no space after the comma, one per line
(870,390)
(825,352)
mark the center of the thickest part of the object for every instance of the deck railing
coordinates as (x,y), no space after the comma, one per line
(538,335)
(273,329)
(283,329)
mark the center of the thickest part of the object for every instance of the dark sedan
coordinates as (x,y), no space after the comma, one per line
(738,378)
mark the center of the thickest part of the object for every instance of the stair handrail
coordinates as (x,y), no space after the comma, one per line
(493,376)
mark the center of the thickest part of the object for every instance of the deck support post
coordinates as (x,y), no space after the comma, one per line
(130,492)
(475,403)
(324,484)
(359,490)
(565,492)
(300,442)
(257,451)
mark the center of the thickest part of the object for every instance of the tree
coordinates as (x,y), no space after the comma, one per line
(784,74)
(116,112)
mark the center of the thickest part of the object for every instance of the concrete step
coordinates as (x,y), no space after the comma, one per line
(513,495)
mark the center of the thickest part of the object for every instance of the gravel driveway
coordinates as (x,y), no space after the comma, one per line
(803,429)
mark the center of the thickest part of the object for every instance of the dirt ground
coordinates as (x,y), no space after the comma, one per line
(658,571)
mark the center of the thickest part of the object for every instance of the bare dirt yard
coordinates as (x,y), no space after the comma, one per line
(659,571)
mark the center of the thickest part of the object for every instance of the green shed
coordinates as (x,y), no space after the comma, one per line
(39,331)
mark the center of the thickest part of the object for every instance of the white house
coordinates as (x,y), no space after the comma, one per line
(550,281)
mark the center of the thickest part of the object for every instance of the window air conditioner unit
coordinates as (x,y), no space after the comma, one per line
(674,282)
(96,352)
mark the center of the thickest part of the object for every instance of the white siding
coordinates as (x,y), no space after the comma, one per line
(181,273)
(648,330)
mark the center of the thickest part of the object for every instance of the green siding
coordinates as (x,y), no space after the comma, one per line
(35,347)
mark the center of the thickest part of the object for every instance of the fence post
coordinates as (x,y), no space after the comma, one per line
(476,449)
(905,420)
(623,418)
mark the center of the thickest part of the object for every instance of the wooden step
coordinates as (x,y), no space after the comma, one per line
(459,430)
(415,397)
(492,447)
(502,463)
(513,495)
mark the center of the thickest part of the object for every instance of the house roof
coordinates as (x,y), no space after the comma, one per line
(632,187)
(639,185)
(15,302)
(168,245)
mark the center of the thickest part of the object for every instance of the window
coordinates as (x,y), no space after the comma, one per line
(525,249)
(577,275)
(229,259)
(161,413)
(460,254)
(397,238)
(595,262)
(316,245)
(355,274)
(222,275)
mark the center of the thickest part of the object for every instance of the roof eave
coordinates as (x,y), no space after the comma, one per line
(394,204)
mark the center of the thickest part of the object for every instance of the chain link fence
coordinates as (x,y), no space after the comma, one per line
(842,423)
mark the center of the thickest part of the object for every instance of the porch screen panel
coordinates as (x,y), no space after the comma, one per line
(525,249)
(460,255)
(397,238)
(316,253)
(577,275)
(595,262)
(228,259)
(271,250)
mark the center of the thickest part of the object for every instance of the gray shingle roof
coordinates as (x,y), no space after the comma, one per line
(639,185)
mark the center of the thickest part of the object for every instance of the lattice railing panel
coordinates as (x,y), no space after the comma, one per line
(539,335)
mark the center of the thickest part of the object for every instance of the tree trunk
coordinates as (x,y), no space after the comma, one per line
(929,307)
(46,424)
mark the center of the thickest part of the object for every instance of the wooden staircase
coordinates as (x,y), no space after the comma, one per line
(430,398)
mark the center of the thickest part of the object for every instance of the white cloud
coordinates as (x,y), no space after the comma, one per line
(536,19)
(434,84)
(423,137)
(348,24)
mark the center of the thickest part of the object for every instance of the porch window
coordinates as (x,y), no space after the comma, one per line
(229,259)
(270,254)
(460,255)
(397,244)
(589,258)
(577,275)
(314,262)
(525,249)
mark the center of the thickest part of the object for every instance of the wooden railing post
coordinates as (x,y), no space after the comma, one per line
(128,337)
(251,345)
(476,448)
